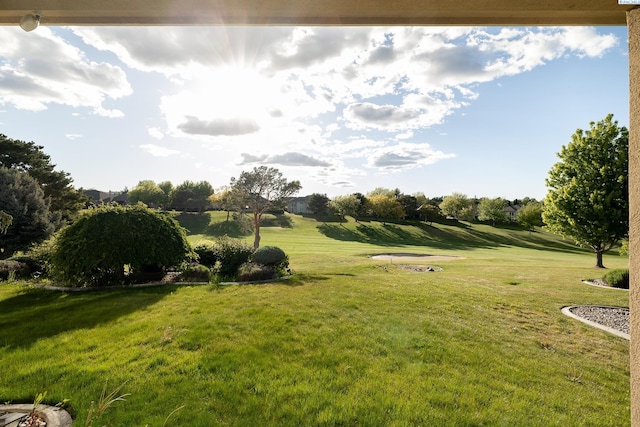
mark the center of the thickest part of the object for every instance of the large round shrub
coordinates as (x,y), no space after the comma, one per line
(94,250)
(272,256)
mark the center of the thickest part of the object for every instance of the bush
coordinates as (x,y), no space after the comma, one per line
(14,269)
(94,250)
(195,273)
(618,278)
(206,254)
(147,273)
(34,266)
(250,272)
(230,255)
(624,248)
(41,253)
(271,256)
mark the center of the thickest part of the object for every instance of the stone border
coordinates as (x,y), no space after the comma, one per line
(591,283)
(567,312)
(55,417)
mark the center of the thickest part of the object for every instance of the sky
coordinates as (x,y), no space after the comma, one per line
(481,111)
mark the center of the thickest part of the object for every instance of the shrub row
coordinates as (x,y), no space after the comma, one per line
(235,259)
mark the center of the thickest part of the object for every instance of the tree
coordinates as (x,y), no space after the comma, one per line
(347,205)
(5,222)
(65,200)
(410,206)
(430,211)
(224,198)
(262,189)
(167,189)
(147,192)
(383,191)
(525,201)
(362,210)
(530,215)
(385,207)
(421,199)
(492,210)
(455,205)
(192,196)
(588,197)
(318,203)
(95,249)
(23,200)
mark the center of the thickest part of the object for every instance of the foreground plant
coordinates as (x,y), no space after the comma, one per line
(104,402)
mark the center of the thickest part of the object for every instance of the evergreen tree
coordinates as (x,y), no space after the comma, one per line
(23,200)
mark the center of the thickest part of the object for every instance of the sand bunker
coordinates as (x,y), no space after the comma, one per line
(414,257)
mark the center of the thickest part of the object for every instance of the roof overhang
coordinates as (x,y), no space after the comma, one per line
(317,12)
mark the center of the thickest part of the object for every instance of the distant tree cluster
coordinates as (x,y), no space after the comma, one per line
(390,205)
(188,196)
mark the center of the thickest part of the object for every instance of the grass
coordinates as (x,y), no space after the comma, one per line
(348,341)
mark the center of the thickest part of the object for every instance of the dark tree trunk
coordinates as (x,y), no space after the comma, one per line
(256,234)
(599,263)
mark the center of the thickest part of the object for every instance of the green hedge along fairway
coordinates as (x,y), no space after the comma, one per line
(348,341)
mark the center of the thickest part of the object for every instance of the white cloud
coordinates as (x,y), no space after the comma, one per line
(155,133)
(218,127)
(99,111)
(296,96)
(73,136)
(41,68)
(294,72)
(405,156)
(157,151)
(286,159)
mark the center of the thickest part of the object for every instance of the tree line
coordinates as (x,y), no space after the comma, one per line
(587,197)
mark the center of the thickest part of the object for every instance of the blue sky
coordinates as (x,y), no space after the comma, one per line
(481,111)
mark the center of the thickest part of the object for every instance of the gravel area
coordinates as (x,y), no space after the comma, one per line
(613,317)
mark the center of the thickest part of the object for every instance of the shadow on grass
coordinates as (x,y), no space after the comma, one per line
(323,218)
(459,236)
(276,220)
(36,313)
(194,223)
(229,228)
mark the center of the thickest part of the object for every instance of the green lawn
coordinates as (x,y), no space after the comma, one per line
(348,341)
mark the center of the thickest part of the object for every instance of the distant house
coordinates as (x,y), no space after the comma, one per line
(512,212)
(97,197)
(121,199)
(298,205)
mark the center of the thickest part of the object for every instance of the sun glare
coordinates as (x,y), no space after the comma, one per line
(237,90)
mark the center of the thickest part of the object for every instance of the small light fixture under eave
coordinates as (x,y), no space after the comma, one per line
(30,21)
